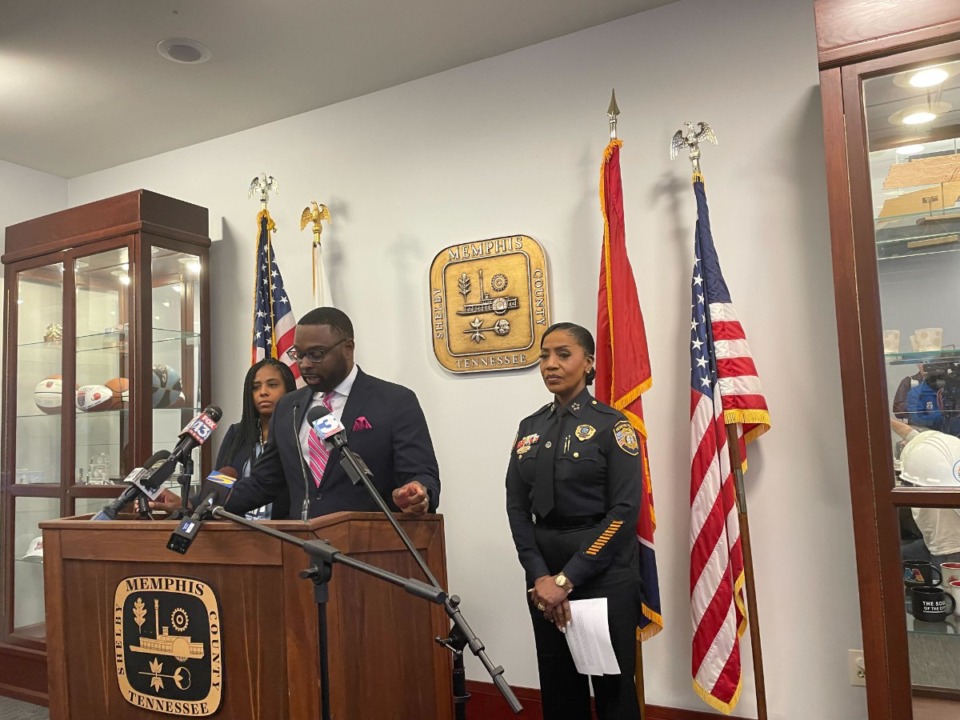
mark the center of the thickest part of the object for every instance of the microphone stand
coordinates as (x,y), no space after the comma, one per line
(185,478)
(322,557)
(461,634)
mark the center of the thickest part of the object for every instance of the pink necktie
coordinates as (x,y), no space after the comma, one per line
(318,453)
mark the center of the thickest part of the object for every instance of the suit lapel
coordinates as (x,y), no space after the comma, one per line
(355,401)
(303,399)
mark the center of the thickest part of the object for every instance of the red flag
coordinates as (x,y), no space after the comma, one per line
(623,364)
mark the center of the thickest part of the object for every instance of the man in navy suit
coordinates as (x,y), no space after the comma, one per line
(384,425)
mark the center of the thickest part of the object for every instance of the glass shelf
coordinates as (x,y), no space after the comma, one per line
(109,340)
(917,234)
(914,358)
(81,416)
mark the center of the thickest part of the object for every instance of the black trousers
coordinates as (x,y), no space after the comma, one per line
(565,692)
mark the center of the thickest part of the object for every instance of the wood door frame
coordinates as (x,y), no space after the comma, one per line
(866,413)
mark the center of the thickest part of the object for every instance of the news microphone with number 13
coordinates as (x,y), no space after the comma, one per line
(197,432)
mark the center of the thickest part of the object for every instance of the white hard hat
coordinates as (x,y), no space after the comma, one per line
(932,459)
(34,551)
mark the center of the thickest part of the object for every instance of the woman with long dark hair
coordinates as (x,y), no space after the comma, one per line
(266,382)
(573,497)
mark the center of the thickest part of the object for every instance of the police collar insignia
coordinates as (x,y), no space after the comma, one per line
(526,442)
(575,406)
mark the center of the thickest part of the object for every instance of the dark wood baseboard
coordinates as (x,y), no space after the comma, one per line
(27,696)
(486,702)
(23,674)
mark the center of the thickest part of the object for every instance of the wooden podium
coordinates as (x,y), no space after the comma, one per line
(113,588)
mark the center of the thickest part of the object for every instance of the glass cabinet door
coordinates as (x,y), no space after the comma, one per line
(39,375)
(175,309)
(40,400)
(103,453)
(913,140)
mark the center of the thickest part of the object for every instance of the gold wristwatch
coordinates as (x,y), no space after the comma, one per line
(563,581)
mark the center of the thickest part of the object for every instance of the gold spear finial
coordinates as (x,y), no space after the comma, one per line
(612,113)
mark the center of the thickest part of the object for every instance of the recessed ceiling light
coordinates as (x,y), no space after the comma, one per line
(919,114)
(121,276)
(925,77)
(928,77)
(919,117)
(184,50)
(909,149)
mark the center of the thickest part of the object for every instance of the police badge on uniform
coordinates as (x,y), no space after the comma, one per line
(626,437)
(585,432)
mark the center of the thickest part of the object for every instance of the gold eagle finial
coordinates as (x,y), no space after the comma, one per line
(315,213)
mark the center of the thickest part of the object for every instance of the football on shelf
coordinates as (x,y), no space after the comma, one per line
(48,395)
(166,386)
(91,398)
(120,387)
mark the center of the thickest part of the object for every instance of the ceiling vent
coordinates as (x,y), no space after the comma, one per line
(184,50)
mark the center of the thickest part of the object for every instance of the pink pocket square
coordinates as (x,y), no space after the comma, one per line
(362,424)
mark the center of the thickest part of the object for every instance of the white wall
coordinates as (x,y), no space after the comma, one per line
(513,145)
(26,194)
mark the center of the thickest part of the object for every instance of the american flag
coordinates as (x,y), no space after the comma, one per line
(273,320)
(623,366)
(724,390)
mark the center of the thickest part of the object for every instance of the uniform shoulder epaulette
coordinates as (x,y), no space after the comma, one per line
(604,408)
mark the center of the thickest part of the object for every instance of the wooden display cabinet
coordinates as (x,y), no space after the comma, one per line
(895,234)
(113,294)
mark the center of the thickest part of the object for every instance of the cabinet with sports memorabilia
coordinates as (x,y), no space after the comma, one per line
(105,359)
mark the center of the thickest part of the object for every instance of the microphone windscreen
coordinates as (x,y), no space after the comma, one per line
(156,459)
(316,412)
(217,487)
(158,472)
(213,412)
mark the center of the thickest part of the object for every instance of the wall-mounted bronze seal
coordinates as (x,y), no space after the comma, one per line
(489,304)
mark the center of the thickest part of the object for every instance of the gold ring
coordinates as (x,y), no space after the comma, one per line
(541,607)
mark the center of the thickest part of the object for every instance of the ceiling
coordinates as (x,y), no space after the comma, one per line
(888,97)
(83,87)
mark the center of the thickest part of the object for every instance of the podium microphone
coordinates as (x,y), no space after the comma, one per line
(196,432)
(136,488)
(216,491)
(328,428)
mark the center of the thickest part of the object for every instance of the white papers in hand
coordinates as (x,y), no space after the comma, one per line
(588,637)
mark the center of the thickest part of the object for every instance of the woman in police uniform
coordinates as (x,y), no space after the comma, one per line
(573,496)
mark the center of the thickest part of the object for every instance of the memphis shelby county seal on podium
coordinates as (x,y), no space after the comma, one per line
(167,645)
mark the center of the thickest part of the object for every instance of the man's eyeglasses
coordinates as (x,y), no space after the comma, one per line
(314,356)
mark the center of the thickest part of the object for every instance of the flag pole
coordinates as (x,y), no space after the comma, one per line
(753,619)
(695,135)
(612,112)
(315,213)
